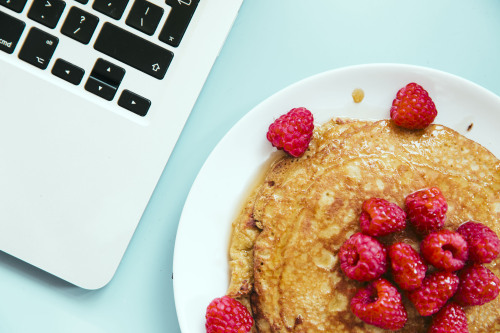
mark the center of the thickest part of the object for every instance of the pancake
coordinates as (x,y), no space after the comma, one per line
(283,252)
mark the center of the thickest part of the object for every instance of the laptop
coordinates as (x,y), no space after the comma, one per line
(93,97)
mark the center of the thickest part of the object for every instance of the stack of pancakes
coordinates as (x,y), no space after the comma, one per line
(283,252)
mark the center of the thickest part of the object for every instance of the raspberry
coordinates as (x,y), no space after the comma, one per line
(445,249)
(436,290)
(450,319)
(292,132)
(380,304)
(362,258)
(484,245)
(380,217)
(426,209)
(478,285)
(408,268)
(227,315)
(413,108)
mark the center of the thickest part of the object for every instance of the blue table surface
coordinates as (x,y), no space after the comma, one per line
(273,44)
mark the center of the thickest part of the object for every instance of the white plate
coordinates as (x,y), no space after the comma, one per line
(201,249)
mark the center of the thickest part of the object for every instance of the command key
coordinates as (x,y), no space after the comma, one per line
(10,32)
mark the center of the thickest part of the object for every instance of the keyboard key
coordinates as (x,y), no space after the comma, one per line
(46,12)
(112,8)
(177,21)
(15,5)
(135,103)
(144,16)
(105,79)
(68,72)
(38,48)
(133,50)
(79,25)
(10,32)
(100,88)
(107,72)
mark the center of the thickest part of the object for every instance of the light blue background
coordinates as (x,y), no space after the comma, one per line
(273,43)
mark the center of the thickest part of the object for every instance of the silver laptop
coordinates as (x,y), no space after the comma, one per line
(93,96)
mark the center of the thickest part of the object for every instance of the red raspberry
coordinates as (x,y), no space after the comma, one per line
(227,315)
(478,285)
(408,268)
(292,132)
(362,258)
(413,108)
(426,209)
(380,217)
(436,290)
(445,249)
(450,319)
(380,304)
(484,245)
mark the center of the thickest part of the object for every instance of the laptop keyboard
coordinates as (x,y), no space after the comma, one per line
(80,23)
